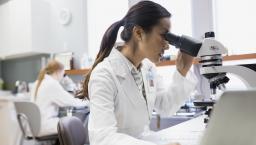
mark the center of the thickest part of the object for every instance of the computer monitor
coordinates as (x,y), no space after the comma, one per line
(233,120)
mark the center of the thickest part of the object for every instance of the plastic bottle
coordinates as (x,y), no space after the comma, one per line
(84,61)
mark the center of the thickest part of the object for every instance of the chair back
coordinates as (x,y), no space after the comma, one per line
(29,112)
(71,131)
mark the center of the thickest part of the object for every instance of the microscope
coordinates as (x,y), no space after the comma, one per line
(210,54)
(210,51)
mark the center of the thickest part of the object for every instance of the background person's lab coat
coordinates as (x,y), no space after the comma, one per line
(119,113)
(50,97)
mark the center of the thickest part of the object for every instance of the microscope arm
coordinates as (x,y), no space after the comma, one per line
(247,75)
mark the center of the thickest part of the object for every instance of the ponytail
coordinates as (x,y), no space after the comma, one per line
(107,43)
(39,81)
(145,14)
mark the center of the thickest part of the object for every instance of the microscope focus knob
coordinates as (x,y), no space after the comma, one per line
(208,112)
(209,34)
(206,120)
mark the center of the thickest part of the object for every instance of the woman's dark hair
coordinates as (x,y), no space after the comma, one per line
(145,14)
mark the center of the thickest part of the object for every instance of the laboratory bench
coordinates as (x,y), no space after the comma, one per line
(158,123)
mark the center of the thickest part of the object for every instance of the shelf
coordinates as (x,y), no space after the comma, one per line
(76,71)
(240,57)
(172,62)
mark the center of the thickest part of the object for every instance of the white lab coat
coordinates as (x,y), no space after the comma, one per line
(119,113)
(50,97)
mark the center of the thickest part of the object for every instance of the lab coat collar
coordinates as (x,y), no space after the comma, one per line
(121,64)
(131,66)
(118,63)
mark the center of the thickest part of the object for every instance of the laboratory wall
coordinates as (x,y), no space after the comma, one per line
(69,36)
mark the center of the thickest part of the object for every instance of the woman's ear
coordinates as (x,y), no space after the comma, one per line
(138,33)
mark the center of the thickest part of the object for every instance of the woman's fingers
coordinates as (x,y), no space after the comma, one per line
(184,62)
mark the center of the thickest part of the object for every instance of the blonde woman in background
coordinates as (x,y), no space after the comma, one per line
(49,95)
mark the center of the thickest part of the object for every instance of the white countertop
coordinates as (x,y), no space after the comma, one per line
(7,95)
(186,133)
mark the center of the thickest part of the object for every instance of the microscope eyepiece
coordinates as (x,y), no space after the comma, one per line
(185,43)
(173,39)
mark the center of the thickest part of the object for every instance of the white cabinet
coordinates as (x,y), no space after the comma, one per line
(15,26)
(25,28)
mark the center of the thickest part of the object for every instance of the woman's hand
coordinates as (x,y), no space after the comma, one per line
(184,63)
